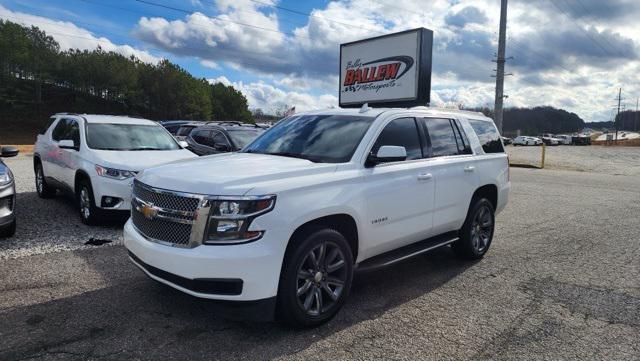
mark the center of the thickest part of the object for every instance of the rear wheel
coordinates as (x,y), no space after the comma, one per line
(477,232)
(9,230)
(43,189)
(316,278)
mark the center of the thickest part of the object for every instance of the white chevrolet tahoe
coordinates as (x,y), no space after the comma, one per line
(95,157)
(282,225)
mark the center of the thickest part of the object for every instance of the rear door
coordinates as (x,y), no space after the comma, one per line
(453,169)
(399,194)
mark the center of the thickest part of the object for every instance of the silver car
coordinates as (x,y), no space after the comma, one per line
(7,194)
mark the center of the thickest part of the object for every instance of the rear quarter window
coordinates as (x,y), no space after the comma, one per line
(488,136)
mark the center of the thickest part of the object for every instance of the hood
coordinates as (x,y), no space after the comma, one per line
(229,173)
(139,160)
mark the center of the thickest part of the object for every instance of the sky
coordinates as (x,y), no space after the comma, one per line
(571,54)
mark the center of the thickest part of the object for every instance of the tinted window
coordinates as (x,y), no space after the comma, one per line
(461,138)
(185,130)
(201,136)
(220,139)
(129,137)
(47,125)
(442,136)
(319,138)
(59,131)
(244,137)
(73,132)
(401,132)
(488,136)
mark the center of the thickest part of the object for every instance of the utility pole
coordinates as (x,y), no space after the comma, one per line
(500,62)
(618,116)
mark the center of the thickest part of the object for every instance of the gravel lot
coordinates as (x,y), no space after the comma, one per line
(561,281)
(599,159)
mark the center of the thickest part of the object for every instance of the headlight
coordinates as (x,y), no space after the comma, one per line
(114,173)
(229,219)
(6,177)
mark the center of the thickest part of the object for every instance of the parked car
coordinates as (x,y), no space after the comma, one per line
(185,129)
(285,222)
(221,137)
(7,194)
(564,139)
(581,139)
(550,141)
(95,157)
(524,140)
(506,141)
(172,126)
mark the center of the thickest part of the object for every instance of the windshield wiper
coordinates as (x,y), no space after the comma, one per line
(146,148)
(293,155)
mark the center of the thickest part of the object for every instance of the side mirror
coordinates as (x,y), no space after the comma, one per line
(67,144)
(8,152)
(386,154)
(183,144)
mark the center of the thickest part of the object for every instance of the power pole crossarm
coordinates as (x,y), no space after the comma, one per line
(500,65)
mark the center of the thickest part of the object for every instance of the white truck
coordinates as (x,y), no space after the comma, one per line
(283,224)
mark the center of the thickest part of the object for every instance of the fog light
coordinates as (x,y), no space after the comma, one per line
(110,202)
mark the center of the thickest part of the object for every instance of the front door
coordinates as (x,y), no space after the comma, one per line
(399,194)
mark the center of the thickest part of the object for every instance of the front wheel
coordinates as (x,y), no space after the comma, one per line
(316,278)
(477,232)
(86,203)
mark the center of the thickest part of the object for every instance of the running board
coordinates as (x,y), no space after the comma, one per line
(406,252)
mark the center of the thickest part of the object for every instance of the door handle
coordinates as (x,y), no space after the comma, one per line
(469,168)
(425,176)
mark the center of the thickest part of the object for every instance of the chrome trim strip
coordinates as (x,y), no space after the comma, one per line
(420,252)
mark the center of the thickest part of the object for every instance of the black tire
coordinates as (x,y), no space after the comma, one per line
(8,231)
(43,189)
(476,233)
(300,279)
(89,213)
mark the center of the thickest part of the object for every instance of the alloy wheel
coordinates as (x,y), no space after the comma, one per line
(321,278)
(85,203)
(481,229)
(39,180)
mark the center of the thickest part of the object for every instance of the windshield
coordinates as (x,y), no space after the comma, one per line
(244,137)
(129,137)
(318,138)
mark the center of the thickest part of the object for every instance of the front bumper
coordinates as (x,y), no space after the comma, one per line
(107,187)
(7,204)
(255,265)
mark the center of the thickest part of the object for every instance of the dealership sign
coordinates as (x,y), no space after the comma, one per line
(389,70)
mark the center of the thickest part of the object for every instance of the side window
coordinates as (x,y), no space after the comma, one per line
(47,125)
(488,136)
(463,142)
(401,132)
(220,139)
(184,131)
(73,132)
(200,136)
(60,130)
(444,141)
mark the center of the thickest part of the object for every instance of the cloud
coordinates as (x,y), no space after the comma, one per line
(468,15)
(70,36)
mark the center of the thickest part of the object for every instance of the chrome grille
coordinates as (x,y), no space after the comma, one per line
(165,200)
(162,230)
(172,218)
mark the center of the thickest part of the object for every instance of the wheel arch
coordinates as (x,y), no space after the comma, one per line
(489,191)
(80,175)
(342,222)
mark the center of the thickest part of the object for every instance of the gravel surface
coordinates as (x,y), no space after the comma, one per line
(600,159)
(561,281)
(48,225)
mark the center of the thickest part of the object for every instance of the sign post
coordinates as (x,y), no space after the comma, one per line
(387,71)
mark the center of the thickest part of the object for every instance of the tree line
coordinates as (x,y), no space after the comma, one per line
(35,74)
(537,120)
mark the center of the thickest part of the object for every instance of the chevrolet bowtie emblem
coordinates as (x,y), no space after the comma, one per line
(148,211)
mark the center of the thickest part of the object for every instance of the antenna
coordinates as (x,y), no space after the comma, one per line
(365,108)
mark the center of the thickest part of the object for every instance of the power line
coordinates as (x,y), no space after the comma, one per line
(586,33)
(586,13)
